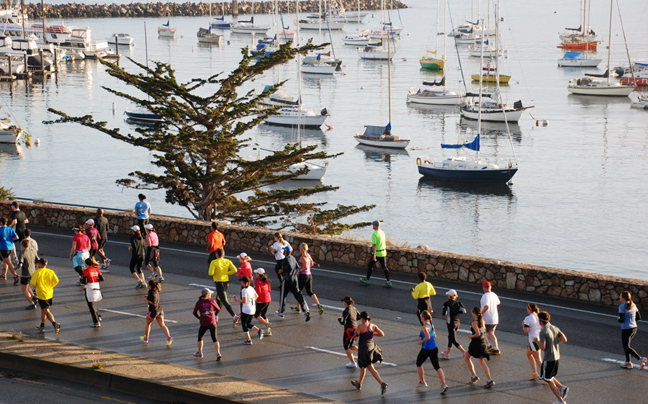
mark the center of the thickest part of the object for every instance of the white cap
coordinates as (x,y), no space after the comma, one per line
(148,226)
(260,271)
(451,292)
(242,255)
(89,222)
(135,228)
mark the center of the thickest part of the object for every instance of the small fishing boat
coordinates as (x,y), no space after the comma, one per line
(9,131)
(121,39)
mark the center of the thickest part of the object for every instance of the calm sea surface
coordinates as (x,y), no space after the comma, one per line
(579,198)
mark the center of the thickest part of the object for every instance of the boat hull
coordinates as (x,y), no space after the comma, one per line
(603,91)
(10,135)
(503,78)
(579,62)
(581,46)
(494,115)
(431,64)
(490,175)
(639,81)
(315,172)
(143,116)
(439,97)
(308,122)
(388,144)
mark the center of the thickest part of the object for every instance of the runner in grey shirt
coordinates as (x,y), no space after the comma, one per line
(548,340)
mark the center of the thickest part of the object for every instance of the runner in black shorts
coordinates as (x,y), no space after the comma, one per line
(349,320)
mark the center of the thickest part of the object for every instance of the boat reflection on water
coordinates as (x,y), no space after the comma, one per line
(11,150)
(381,154)
(289,134)
(434,110)
(296,184)
(467,188)
(493,129)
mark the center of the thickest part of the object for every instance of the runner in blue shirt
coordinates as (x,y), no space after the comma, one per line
(143,211)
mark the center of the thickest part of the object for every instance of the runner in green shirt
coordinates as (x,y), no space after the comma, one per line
(378,254)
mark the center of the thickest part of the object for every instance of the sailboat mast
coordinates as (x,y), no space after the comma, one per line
(610,43)
(389,75)
(445,36)
(481,90)
(436,27)
(299,81)
(585,21)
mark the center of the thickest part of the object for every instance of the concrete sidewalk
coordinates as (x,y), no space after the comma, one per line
(135,375)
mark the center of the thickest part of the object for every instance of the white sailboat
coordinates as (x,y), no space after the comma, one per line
(206,35)
(436,93)
(381,136)
(601,85)
(322,63)
(165,31)
(361,39)
(578,59)
(249,27)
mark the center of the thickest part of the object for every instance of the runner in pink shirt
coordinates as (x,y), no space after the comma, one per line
(262,287)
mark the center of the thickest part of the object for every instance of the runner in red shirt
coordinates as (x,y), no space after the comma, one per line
(262,287)
(215,240)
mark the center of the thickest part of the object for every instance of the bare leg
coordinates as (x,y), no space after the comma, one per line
(421,374)
(217,346)
(150,268)
(29,295)
(556,388)
(160,321)
(147,328)
(441,376)
(363,372)
(159,271)
(484,366)
(493,338)
(349,353)
(471,367)
(375,374)
(101,255)
(262,320)
(200,346)
(46,314)
(314,297)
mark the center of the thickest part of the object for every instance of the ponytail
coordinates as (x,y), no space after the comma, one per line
(478,312)
(628,298)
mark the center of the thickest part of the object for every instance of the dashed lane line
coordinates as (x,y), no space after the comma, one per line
(134,315)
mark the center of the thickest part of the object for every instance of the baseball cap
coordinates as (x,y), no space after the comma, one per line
(259,271)
(347,299)
(206,291)
(451,292)
(75,228)
(89,222)
(486,284)
(135,228)
(242,255)
(287,249)
(375,223)
(148,226)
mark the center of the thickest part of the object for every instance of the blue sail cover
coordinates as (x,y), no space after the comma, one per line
(388,127)
(573,55)
(474,145)
(167,24)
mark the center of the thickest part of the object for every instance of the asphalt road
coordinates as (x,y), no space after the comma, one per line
(308,357)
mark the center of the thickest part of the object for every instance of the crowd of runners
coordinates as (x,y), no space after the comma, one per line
(294,275)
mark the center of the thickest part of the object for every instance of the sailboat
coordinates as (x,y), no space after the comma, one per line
(205,35)
(140,114)
(165,31)
(381,136)
(361,39)
(492,109)
(582,38)
(435,93)
(9,131)
(578,59)
(220,22)
(431,61)
(462,168)
(249,27)
(593,84)
(322,63)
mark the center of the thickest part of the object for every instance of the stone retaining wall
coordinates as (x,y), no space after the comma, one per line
(599,289)
(188,9)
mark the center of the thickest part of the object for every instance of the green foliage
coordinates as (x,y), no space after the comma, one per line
(6,194)
(198,147)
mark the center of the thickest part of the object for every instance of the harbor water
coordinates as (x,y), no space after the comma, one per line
(578,200)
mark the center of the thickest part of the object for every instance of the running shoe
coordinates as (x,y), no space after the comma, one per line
(143,338)
(30,307)
(489,384)
(57,328)
(494,351)
(643,362)
(444,388)
(198,355)
(3,278)
(560,402)
(40,328)
(534,376)
(564,392)
(627,365)
(279,314)
(387,285)
(445,355)
(351,365)
(169,341)
(421,386)
(383,388)
(96,325)
(365,281)
(139,285)
(260,334)
(355,384)
(307,316)
(321,309)
(296,309)
(247,342)
(474,379)
(268,331)
(544,382)
(16,280)
(236,319)
(219,357)
(151,277)
(160,279)
(107,262)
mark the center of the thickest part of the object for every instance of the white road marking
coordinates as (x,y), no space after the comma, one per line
(342,354)
(462,330)
(210,287)
(393,280)
(612,360)
(135,315)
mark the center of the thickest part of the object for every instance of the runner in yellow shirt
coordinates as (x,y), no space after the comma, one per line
(378,254)
(44,280)
(422,293)
(220,269)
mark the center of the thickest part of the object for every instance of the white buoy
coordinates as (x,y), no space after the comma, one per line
(114,108)
(37,142)
(545,123)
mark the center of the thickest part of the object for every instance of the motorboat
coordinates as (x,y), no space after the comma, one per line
(577,59)
(434,93)
(9,131)
(143,115)
(80,42)
(121,39)
(638,78)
